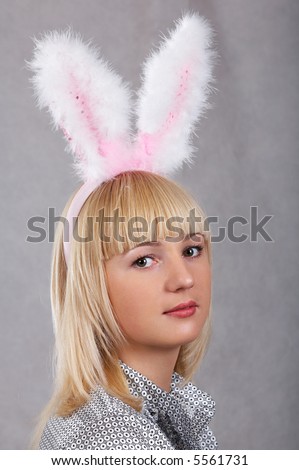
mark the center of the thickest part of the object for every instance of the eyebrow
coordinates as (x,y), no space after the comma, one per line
(156,243)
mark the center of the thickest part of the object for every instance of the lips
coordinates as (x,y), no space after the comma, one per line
(182,306)
(183,310)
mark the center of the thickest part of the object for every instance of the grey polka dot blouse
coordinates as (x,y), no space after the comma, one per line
(169,420)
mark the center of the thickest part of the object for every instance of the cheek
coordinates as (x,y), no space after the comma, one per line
(129,300)
(208,281)
(203,282)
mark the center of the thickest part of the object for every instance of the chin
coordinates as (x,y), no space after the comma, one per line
(181,340)
(191,336)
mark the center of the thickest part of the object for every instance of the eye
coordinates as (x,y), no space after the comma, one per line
(193,251)
(142,262)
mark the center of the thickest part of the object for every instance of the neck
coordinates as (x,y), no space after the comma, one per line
(155,364)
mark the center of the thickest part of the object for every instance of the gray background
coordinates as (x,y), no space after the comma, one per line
(247,156)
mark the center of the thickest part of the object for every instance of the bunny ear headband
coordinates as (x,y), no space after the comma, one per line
(92,105)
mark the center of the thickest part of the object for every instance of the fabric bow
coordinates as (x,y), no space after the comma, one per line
(180,419)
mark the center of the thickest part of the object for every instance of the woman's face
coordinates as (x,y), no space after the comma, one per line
(151,279)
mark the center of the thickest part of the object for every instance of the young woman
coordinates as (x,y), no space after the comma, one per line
(115,333)
(131,271)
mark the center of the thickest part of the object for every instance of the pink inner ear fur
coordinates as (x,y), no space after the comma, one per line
(83,105)
(148,143)
(179,101)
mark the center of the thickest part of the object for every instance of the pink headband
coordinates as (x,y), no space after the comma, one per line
(92,104)
(86,189)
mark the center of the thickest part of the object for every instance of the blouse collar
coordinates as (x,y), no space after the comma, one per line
(183,413)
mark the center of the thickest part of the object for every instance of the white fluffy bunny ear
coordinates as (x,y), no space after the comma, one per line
(88,101)
(176,86)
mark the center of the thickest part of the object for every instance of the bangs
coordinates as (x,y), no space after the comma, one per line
(139,206)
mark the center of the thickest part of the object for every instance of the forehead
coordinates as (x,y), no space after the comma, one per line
(177,238)
(128,240)
(136,217)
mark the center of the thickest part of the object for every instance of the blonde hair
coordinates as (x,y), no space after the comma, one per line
(86,331)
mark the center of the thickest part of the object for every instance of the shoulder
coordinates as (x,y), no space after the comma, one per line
(104,423)
(88,424)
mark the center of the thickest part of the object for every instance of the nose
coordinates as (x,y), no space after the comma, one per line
(178,274)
